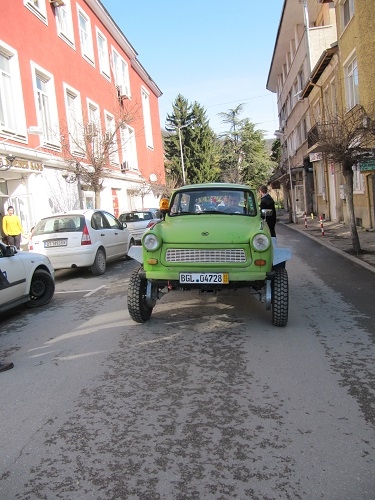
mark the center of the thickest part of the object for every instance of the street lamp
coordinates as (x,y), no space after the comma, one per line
(293,207)
(181,152)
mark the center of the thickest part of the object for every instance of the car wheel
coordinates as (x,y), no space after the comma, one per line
(280,297)
(100,263)
(131,244)
(138,309)
(42,288)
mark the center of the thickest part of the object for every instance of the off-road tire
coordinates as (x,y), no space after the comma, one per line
(139,311)
(280,297)
(42,288)
(100,264)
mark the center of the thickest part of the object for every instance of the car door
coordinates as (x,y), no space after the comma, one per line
(117,235)
(12,277)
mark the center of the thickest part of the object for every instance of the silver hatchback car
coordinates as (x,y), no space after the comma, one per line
(138,221)
(81,238)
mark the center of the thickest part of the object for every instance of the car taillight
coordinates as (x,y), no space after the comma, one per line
(85,240)
(151,224)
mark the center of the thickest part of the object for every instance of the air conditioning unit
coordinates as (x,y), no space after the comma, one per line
(57,3)
(122,91)
(124,166)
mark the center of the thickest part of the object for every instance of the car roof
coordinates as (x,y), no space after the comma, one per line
(88,212)
(214,185)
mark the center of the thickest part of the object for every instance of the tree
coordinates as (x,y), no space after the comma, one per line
(347,139)
(199,145)
(88,152)
(245,158)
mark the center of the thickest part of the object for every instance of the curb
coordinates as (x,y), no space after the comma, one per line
(326,244)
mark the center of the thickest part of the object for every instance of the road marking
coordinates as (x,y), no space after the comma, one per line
(87,292)
(95,290)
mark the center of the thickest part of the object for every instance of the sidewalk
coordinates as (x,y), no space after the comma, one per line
(337,237)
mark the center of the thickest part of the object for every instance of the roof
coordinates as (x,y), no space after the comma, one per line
(318,70)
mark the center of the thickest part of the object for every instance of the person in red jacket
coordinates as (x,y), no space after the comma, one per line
(266,201)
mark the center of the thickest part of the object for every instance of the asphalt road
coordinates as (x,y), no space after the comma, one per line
(205,401)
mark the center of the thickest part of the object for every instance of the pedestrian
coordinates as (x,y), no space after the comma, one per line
(12,228)
(266,201)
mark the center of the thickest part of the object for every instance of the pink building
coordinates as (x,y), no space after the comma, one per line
(72,91)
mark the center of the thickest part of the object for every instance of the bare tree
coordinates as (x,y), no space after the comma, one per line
(347,139)
(88,152)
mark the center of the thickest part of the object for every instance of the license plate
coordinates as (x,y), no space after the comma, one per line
(209,278)
(56,243)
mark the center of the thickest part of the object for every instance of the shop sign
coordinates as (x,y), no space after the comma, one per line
(365,166)
(315,156)
(35,166)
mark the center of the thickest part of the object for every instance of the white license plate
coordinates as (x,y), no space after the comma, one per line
(56,243)
(209,278)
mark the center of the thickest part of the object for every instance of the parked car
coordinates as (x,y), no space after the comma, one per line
(25,277)
(224,247)
(138,221)
(81,238)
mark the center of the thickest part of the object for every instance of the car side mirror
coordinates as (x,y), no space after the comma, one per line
(124,225)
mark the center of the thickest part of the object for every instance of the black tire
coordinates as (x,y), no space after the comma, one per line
(280,297)
(139,311)
(100,263)
(42,288)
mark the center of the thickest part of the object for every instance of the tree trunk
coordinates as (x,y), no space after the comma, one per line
(290,208)
(97,199)
(348,176)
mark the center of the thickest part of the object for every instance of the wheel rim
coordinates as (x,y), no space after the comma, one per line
(37,289)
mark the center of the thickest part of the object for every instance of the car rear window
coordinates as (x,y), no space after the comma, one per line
(62,224)
(136,216)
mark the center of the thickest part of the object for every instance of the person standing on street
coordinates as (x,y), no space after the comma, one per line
(266,201)
(12,228)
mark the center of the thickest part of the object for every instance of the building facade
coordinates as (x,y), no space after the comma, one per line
(336,41)
(74,101)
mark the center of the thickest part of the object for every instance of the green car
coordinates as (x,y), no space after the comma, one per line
(210,237)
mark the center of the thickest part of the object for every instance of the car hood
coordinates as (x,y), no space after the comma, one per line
(201,229)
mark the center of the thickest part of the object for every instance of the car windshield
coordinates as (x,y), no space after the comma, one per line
(62,223)
(136,216)
(218,201)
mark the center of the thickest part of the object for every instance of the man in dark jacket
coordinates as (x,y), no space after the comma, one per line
(266,201)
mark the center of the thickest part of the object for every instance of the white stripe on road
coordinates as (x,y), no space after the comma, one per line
(87,292)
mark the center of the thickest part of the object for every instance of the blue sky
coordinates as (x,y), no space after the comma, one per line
(215,52)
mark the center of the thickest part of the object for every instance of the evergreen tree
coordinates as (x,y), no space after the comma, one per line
(199,146)
(244,155)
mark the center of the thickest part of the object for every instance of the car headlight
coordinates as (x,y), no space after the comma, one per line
(260,242)
(151,241)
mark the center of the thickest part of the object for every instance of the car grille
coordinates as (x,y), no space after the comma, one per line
(228,255)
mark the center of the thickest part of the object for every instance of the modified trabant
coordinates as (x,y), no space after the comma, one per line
(211,237)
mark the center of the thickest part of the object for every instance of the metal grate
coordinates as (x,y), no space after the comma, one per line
(183,255)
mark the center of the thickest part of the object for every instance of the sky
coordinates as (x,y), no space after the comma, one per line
(213,52)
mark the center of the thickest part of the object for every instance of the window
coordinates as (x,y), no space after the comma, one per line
(347,12)
(37,7)
(74,119)
(147,118)
(45,101)
(358,180)
(111,139)
(320,184)
(351,83)
(103,54)
(128,148)
(121,72)
(93,128)
(64,22)
(12,110)
(85,36)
